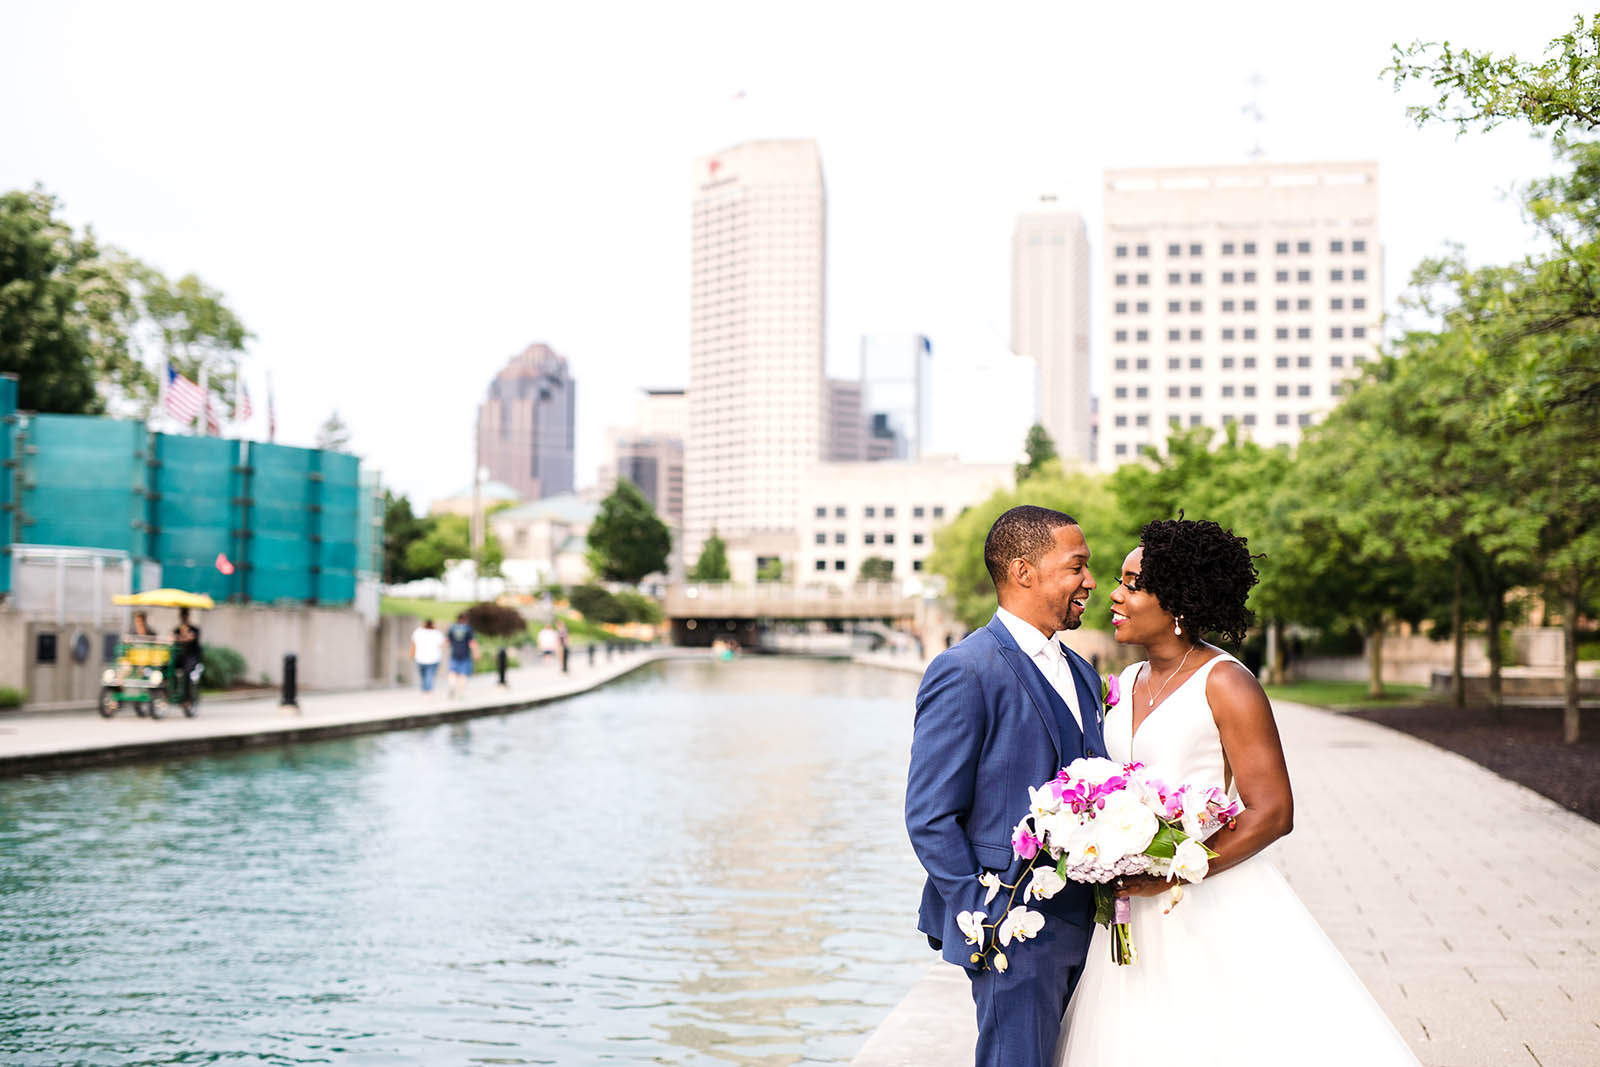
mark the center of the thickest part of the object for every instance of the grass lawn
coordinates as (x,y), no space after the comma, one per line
(437,610)
(1345,695)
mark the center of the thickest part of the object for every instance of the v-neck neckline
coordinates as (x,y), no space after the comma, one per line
(1135,727)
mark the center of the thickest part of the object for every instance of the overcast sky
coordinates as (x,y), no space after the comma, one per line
(397,198)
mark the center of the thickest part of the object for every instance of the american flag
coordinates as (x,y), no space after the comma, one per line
(241,407)
(184,398)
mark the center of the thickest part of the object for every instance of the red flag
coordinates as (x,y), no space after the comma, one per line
(223,565)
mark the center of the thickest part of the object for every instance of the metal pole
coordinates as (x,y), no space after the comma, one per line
(290,682)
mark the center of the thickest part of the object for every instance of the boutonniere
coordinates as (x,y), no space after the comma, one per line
(1110,691)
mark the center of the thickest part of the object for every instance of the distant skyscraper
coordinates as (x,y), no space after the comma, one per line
(756,392)
(897,383)
(525,427)
(1050,318)
(847,424)
(1242,294)
(649,453)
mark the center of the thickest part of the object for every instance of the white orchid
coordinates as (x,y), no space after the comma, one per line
(1057,829)
(1045,884)
(971,923)
(1000,962)
(1189,861)
(1083,846)
(1043,800)
(1020,924)
(990,880)
(1096,771)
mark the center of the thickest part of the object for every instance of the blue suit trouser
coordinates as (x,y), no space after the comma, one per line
(1020,1009)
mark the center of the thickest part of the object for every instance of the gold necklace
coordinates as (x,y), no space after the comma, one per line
(1149,670)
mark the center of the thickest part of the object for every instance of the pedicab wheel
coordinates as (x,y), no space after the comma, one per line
(158,704)
(108,702)
(191,706)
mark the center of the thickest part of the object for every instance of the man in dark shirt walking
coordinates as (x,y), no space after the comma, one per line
(463,653)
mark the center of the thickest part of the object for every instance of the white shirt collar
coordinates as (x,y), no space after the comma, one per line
(1027,635)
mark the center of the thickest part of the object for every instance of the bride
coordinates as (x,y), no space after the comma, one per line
(1237,972)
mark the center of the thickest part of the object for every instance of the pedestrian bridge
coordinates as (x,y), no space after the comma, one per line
(702,611)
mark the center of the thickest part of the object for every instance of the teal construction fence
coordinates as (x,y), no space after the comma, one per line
(237,520)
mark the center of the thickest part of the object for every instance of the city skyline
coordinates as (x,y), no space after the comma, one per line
(350,213)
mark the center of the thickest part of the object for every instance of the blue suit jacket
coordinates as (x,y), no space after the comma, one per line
(985,731)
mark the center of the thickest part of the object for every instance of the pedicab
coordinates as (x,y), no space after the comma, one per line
(148,675)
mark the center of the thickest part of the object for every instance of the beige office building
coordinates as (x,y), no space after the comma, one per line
(1242,294)
(756,390)
(1050,318)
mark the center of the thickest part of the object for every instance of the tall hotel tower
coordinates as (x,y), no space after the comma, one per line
(1240,295)
(757,395)
(1050,318)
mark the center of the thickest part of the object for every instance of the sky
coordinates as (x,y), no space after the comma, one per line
(397,198)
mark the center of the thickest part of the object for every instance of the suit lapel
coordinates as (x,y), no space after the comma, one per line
(1032,681)
(1094,742)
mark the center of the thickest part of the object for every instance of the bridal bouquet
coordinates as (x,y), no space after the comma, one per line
(1099,820)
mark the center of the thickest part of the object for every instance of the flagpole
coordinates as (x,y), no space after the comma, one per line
(205,404)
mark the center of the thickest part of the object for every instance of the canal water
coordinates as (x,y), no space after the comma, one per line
(701,863)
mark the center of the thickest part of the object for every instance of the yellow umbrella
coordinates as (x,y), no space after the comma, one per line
(165,598)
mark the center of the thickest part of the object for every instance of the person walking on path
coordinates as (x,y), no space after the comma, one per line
(463,654)
(186,637)
(427,650)
(566,643)
(549,643)
(1006,708)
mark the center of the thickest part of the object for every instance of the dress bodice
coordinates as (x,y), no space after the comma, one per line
(1178,741)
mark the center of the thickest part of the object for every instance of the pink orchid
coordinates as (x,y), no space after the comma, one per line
(1023,843)
(1113,691)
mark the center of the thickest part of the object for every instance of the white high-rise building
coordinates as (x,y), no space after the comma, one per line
(897,397)
(757,409)
(1240,294)
(1050,318)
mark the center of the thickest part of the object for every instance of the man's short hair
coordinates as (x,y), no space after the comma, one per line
(1025,532)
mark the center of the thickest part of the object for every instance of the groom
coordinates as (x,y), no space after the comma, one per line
(1005,709)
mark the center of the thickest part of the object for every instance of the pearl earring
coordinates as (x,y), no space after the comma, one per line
(1176,629)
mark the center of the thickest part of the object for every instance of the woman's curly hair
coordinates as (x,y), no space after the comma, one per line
(1200,573)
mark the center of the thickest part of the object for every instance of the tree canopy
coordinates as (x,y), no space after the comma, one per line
(712,566)
(627,540)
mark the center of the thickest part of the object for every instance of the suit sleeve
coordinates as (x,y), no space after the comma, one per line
(945,745)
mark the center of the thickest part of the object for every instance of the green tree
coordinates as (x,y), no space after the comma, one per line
(1039,450)
(597,604)
(876,569)
(1477,89)
(627,541)
(445,538)
(771,570)
(196,331)
(333,435)
(712,566)
(400,530)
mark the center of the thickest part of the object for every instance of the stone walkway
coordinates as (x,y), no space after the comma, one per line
(45,740)
(1462,900)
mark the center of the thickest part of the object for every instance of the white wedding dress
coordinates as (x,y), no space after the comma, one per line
(1239,973)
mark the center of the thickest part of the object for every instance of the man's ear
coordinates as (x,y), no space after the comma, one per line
(1021,573)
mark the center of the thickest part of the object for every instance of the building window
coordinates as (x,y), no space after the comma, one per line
(1303,362)
(1302,390)
(1120,392)
(1281,418)
(1249,391)
(1358,303)
(1174,392)
(1174,335)
(1281,248)
(869,512)
(1358,245)
(1196,306)
(1195,392)
(1227,277)
(1122,448)
(869,539)
(1174,363)
(1194,334)
(1142,307)
(1228,420)
(1142,251)
(888,538)
(1227,333)
(1122,252)
(1227,305)
(1196,250)
(1141,420)
(938,511)
(918,512)
(1121,336)
(888,512)
(1336,247)
(1174,278)
(1280,276)
(1121,420)
(1303,304)
(1227,248)
(1336,304)
(1336,361)
(1249,305)
(918,538)
(1359,274)
(1227,362)
(1282,390)
(1304,419)
(1174,307)
(1174,420)
(822,538)
(1336,389)
(1302,333)
(838,538)
(822,513)
(1196,362)
(1336,332)
(1302,276)
(1336,275)
(1281,362)
(1249,362)
(1121,307)
(1141,278)
(1121,279)
(1249,333)
(838,513)
(838,564)
(1174,250)
(1120,363)
(1141,392)
(1141,364)
(1249,418)
(1227,392)
(1358,331)
(1281,333)
(1281,304)
(1249,248)
(1196,420)
(822,564)
(1195,278)
(1303,247)
(1141,336)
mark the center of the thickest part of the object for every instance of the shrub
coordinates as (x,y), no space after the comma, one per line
(9,697)
(225,667)
(639,607)
(596,604)
(495,620)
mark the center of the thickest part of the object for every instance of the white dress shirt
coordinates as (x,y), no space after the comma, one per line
(1048,655)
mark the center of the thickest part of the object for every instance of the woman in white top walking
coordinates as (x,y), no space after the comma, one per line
(427,651)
